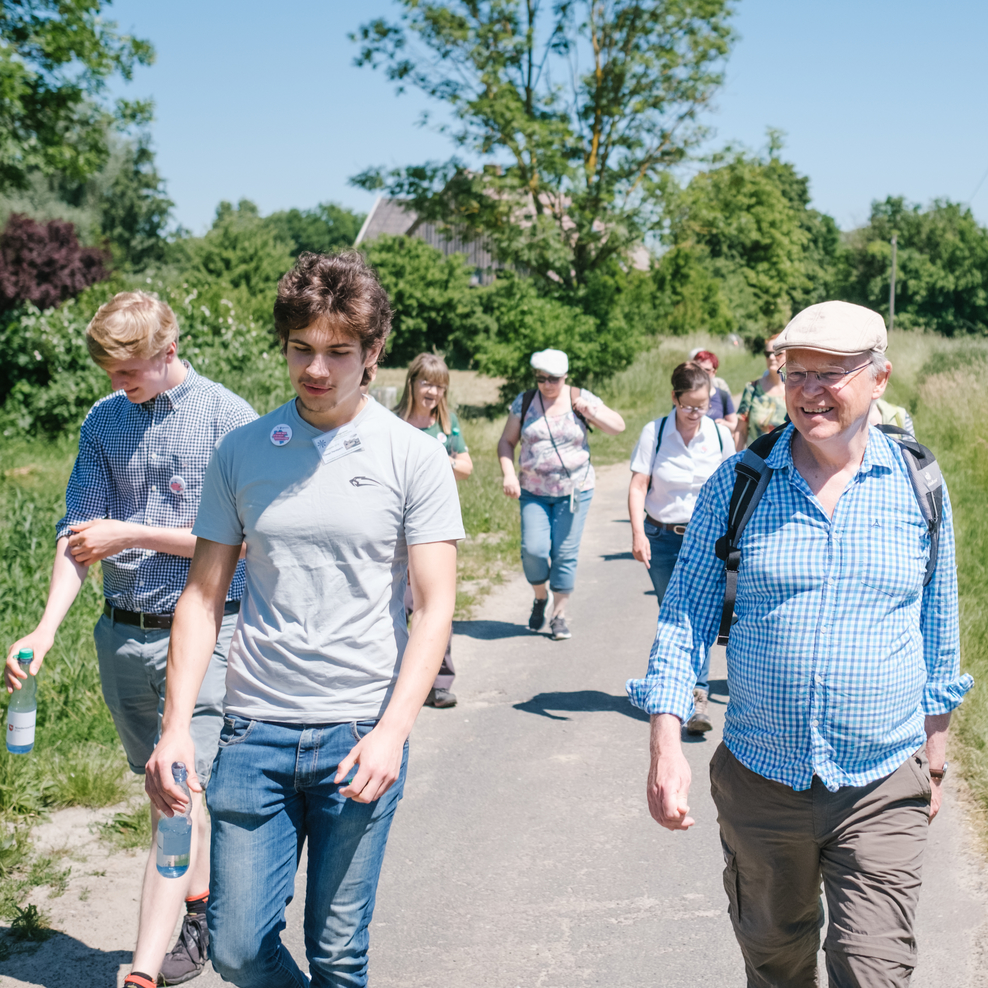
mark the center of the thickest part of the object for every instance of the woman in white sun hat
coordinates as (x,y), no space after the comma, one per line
(556,485)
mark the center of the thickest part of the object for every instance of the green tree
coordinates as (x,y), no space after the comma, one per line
(322,230)
(56,57)
(573,172)
(241,251)
(942,265)
(435,307)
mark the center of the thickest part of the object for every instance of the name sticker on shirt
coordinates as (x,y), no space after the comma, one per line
(281,435)
(177,485)
(336,443)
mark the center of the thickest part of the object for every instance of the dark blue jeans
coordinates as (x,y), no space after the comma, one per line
(271,791)
(665,547)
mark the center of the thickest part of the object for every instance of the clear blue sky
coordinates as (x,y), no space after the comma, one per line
(263,101)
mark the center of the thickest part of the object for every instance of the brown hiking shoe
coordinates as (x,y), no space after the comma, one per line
(699,723)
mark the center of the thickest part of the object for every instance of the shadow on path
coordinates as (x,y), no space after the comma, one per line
(63,960)
(491,630)
(611,556)
(590,701)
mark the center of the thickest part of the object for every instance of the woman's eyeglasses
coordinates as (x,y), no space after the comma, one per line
(695,409)
(771,353)
(545,379)
(429,386)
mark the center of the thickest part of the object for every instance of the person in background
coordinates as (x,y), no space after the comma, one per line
(557,480)
(763,403)
(721,403)
(424,405)
(885,413)
(130,503)
(674,458)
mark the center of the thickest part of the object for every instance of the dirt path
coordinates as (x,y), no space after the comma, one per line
(523,853)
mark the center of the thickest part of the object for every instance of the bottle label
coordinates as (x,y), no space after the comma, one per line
(20,727)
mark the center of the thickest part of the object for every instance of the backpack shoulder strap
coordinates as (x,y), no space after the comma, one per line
(574,393)
(924,474)
(658,443)
(752,475)
(526,403)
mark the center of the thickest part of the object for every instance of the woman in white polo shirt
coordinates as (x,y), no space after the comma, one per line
(675,456)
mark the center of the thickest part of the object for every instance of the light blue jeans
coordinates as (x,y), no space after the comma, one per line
(272,790)
(550,539)
(665,547)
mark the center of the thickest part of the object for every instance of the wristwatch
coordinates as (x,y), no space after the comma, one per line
(939,774)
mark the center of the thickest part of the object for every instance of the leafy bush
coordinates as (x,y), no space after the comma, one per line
(322,230)
(522,322)
(45,265)
(434,304)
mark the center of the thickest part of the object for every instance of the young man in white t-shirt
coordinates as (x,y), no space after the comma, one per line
(334,496)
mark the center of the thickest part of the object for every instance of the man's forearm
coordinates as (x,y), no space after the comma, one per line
(665,736)
(936,740)
(174,541)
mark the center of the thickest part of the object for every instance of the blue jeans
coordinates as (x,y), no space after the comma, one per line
(665,547)
(550,538)
(271,790)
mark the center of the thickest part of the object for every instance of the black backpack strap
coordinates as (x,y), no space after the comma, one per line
(924,474)
(752,475)
(574,393)
(526,403)
(658,443)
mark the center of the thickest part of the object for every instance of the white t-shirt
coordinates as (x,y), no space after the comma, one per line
(322,623)
(679,471)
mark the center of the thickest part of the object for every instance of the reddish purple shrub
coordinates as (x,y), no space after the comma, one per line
(46,264)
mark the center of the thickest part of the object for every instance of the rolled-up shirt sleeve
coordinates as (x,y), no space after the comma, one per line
(945,686)
(87,495)
(689,618)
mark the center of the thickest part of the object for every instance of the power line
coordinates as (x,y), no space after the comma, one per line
(977,188)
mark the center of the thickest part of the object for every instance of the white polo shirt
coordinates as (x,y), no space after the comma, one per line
(679,471)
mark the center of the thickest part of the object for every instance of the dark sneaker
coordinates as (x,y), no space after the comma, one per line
(537,618)
(559,628)
(699,723)
(440,698)
(188,956)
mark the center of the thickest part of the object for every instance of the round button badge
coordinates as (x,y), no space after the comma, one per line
(177,484)
(281,435)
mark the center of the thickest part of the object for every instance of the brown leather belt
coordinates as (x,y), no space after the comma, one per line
(677,529)
(154,621)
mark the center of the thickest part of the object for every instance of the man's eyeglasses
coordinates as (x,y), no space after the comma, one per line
(545,379)
(829,379)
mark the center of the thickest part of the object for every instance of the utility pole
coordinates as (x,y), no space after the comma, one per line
(892,286)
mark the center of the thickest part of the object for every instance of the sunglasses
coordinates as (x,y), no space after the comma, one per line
(544,379)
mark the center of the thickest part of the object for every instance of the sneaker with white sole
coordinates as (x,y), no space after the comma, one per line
(438,697)
(559,628)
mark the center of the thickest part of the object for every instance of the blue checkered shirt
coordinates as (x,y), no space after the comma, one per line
(144,464)
(838,653)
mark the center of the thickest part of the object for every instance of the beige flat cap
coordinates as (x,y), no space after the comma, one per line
(835,327)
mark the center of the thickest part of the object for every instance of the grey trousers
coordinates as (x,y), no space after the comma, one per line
(865,843)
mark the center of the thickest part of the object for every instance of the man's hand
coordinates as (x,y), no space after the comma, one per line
(512,487)
(641,548)
(95,540)
(378,757)
(936,797)
(159,783)
(40,643)
(669,780)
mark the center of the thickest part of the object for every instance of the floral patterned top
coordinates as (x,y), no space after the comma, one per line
(541,468)
(765,412)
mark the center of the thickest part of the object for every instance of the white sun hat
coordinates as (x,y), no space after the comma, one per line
(555,363)
(834,327)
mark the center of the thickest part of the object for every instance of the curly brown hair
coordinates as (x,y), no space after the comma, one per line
(341,288)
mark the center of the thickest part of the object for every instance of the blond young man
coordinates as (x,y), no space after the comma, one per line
(130,503)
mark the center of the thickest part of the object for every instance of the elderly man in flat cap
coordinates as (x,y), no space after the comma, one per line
(842,667)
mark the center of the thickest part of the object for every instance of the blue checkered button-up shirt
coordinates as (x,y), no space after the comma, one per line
(144,464)
(838,653)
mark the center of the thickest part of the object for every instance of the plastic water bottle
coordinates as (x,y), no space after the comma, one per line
(22,712)
(175,833)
